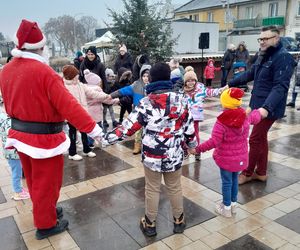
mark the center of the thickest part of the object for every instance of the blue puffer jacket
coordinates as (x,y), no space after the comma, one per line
(271,74)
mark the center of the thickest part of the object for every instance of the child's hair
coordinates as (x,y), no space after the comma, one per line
(70,72)
(188,68)
(232,98)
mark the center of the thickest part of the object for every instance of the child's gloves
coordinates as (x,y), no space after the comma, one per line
(110,138)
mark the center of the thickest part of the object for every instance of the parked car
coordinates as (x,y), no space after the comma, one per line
(290,43)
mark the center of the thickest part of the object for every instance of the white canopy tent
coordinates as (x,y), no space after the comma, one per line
(105,41)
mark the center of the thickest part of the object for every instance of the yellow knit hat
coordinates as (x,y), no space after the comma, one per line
(232,98)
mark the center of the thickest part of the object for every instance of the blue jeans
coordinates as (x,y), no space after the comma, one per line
(230,186)
(16,172)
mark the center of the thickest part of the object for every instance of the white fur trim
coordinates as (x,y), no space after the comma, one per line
(17,53)
(38,153)
(96,132)
(28,55)
(38,45)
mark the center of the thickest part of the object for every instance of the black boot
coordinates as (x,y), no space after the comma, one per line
(59,212)
(148,227)
(61,226)
(179,224)
(291,104)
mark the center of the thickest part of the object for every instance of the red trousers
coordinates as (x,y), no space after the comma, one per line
(258,148)
(44,180)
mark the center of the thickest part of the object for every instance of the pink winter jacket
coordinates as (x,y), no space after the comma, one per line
(82,93)
(209,71)
(95,107)
(230,139)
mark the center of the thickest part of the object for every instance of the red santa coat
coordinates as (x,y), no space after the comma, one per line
(34,92)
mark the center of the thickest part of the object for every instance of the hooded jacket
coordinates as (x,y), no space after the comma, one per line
(230,139)
(136,90)
(209,71)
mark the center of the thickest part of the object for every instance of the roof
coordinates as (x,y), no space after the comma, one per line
(203,4)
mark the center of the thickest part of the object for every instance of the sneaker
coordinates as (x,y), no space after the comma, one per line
(61,226)
(148,227)
(244,179)
(220,209)
(105,124)
(92,146)
(23,195)
(115,124)
(76,157)
(198,157)
(298,109)
(179,224)
(90,154)
(291,104)
(263,178)
(234,208)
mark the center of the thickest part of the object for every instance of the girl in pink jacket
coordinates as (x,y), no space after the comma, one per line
(209,72)
(229,138)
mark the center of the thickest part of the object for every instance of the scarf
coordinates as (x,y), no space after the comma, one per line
(158,85)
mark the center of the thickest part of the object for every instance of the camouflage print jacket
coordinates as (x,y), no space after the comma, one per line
(167,124)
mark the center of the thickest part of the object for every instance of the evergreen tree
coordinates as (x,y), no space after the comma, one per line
(144,29)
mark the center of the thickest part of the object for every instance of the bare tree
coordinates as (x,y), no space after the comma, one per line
(68,33)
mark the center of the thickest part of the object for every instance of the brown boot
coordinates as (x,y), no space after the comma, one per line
(136,148)
(244,179)
(263,178)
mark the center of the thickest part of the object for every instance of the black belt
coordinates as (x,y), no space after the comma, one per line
(36,127)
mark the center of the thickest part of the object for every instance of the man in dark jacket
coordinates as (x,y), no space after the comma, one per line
(271,74)
(93,63)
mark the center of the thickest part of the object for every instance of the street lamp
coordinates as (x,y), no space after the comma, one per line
(75,40)
(226,19)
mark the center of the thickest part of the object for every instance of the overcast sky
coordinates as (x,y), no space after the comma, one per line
(13,11)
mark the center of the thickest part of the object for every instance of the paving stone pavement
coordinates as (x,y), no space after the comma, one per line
(103,198)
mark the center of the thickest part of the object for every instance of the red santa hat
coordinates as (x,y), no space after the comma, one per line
(29,36)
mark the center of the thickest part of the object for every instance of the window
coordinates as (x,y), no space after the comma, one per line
(210,17)
(298,11)
(273,9)
(191,17)
(196,18)
(249,12)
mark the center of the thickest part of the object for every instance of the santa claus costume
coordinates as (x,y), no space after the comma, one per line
(37,101)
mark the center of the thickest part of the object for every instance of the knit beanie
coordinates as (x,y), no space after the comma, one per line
(232,98)
(160,72)
(69,72)
(92,49)
(109,72)
(190,75)
(91,78)
(188,68)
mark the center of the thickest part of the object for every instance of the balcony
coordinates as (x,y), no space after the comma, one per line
(277,20)
(246,23)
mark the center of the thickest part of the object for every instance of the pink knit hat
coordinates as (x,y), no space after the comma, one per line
(91,78)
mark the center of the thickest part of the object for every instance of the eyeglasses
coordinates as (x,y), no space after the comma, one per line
(264,39)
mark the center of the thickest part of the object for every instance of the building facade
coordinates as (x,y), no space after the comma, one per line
(242,20)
